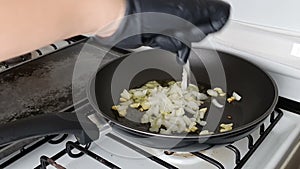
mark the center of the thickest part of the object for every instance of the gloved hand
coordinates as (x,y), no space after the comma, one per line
(154,24)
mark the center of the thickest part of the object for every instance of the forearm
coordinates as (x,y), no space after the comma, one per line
(30,24)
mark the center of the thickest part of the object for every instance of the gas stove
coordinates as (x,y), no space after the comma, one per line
(255,151)
(267,147)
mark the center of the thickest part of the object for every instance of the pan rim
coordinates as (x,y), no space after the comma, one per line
(252,124)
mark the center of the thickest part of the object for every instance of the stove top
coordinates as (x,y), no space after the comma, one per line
(31,88)
(114,152)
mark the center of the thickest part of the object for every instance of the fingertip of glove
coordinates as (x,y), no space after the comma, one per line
(219,13)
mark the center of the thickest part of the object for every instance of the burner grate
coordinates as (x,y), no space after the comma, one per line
(25,151)
(252,147)
(239,161)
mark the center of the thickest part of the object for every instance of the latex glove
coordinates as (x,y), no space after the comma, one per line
(197,19)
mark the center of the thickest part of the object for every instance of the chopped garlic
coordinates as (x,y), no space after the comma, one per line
(234,97)
(226,127)
(230,99)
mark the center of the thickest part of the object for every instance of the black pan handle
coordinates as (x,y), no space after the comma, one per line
(49,124)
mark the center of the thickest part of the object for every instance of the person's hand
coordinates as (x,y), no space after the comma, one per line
(154,24)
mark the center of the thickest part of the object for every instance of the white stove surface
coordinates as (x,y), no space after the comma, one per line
(269,155)
(274,50)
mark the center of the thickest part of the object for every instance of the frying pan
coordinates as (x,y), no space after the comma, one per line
(258,91)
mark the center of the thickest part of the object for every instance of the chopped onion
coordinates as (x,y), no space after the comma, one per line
(216,103)
(125,94)
(170,109)
(236,96)
(212,93)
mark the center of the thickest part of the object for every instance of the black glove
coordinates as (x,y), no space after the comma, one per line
(154,24)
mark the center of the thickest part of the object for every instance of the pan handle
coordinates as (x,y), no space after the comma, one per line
(103,125)
(49,124)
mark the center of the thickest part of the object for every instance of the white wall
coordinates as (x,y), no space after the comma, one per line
(283,14)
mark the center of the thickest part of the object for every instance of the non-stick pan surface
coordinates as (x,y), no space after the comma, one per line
(258,91)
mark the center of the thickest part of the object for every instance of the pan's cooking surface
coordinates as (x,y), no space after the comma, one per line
(257,89)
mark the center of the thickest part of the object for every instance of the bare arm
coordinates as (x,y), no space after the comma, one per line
(30,24)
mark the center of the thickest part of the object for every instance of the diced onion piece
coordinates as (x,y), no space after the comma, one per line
(171,106)
(216,103)
(219,90)
(187,120)
(203,110)
(193,87)
(125,94)
(189,110)
(199,96)
(163,131)
(145,105)
(223,94)
(203,123)
(171,83)
(139,94)
(236,96)
(122,113)
(122,99)
(135,105)
(205,132)
(212,93)
(201,114)
(145,119)
(114,107)
(127,103)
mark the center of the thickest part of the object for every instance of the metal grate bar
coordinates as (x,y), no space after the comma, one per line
(260,139)
(142,152)
(25,151)
(237,153)
(262,129)
(48,161)
(59,140)
(208,159)
(55,157)
(250,141)
(84,150)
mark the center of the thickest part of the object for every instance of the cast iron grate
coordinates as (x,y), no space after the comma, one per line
(240,162)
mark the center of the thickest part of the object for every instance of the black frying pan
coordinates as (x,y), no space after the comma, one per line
(259,96)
